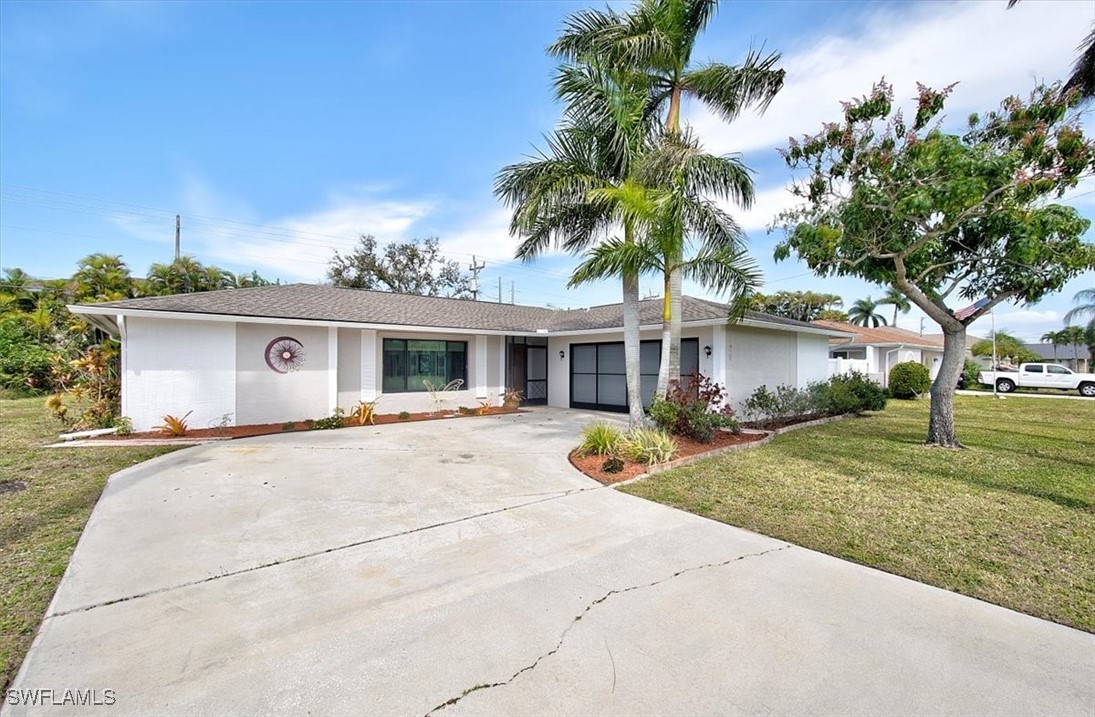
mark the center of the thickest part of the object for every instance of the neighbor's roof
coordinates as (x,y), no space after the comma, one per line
(1064,351)
(879,336)
(321,302)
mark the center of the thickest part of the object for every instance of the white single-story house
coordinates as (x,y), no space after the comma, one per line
(293,352)
(874,351)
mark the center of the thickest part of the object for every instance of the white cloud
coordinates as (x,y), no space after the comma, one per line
(991,51)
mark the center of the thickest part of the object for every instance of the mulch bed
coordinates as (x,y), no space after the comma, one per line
(265,429)
(686,447)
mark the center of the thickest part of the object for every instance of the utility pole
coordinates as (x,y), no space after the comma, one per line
(512,291)
(499,289)
(475,268)
(921,325)
(178,234)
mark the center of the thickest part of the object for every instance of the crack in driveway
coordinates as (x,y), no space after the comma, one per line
(556,495)
(577,618)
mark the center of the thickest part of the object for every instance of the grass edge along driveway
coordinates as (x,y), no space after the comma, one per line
(39,526)
(1011,520)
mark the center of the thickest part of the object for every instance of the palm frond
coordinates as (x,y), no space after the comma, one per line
(730,89)
(724,270)
(616,257)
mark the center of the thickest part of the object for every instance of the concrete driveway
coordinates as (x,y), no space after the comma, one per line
(463,567)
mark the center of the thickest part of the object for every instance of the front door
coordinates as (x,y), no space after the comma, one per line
(536,375)
(526,369)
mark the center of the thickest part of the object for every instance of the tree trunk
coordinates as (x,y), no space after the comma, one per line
(941,430)
(675,325)
(636,417)
(662,387)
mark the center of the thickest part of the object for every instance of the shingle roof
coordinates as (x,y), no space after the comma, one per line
(883,335)
(1063,351)
(321,302)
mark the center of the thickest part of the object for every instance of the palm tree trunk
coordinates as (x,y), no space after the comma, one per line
(636,417)
(670,368)
(673,119)
(667,338)
(895,315)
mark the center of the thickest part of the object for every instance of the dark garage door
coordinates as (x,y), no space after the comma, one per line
(598,376)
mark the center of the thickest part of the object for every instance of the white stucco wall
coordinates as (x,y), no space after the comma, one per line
(760,357)
(172,367)
(266,396)
(349,368)
(813,359)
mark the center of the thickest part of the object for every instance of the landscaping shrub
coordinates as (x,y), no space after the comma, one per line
(123,425)
(648,445)
(599,439)
(403,415)
(696,411)
(24,361)
(847,393)
(612,465)
(335,420)
(909,379)
(971,370)
(766,407)
(841,394)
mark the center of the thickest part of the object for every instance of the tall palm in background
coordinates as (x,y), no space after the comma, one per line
(899,301)
(655,38)
(1073,336)
(1052,337)
(864,312)
(584,187)
(1084,306)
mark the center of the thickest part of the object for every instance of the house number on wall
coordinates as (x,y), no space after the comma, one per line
(284,354)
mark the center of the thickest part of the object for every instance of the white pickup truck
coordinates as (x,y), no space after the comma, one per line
(1040,375)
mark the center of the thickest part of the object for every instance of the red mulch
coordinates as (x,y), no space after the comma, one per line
(591,465)
(264,429)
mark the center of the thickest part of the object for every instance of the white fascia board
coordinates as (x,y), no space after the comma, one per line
(182,315)
(891,344)
(91,310)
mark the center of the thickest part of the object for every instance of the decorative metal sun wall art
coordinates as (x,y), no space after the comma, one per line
(284,354)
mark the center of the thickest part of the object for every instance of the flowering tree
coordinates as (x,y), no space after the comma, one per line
(942,217)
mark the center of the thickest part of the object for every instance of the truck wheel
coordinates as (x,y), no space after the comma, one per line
(1005,385)
(1087,389)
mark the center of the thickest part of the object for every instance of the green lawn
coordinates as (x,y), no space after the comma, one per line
(1011,520)
(39,526)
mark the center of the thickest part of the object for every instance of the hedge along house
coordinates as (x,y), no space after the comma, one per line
(288,353)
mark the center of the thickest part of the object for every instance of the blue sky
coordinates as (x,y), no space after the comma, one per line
(282,131)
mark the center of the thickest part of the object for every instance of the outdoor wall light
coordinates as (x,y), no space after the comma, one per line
(707,351)
(562,355)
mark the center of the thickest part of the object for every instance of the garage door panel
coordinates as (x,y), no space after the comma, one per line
(598,377)
(612,389)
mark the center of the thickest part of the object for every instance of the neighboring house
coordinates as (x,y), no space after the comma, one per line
(1077,358)
(285,353)
(875,351)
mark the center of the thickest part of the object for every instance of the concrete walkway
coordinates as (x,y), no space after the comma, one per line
(463,567)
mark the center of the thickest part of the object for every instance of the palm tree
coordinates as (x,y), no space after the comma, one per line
(864,312)
(656,38)
(1084,306)
(899,301)
(562,197)
(1073,336)
(101,277)
(1052,337)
